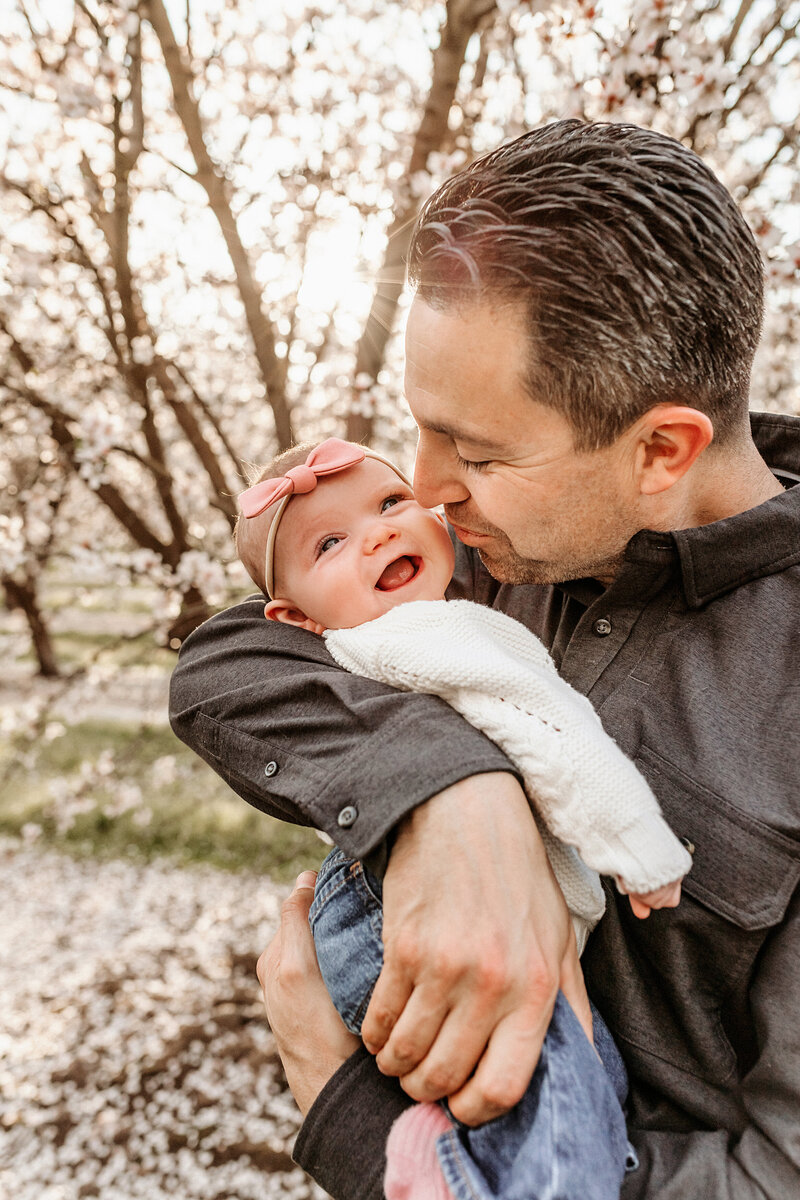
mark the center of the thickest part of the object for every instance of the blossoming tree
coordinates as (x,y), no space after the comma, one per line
(205,209)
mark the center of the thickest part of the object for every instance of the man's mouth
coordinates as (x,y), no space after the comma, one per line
(463,531)
(466,535)
(399,572)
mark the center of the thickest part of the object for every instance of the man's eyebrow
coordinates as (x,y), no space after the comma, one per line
(462,435)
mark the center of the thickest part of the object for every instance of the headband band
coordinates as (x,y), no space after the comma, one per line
(329,458)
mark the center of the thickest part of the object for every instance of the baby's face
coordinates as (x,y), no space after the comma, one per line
(358,545)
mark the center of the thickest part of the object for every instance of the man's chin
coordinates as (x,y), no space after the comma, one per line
(510,568)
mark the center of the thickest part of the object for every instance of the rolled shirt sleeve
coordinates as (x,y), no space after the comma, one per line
(342,1143)
(303,740)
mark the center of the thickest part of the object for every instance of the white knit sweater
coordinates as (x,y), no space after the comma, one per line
(583,791)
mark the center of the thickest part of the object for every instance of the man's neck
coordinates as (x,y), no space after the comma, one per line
(723,482)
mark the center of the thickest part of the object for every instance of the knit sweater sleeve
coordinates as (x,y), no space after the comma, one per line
(493,671)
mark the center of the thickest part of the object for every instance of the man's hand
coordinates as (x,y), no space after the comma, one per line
(477,942)
(311,1037)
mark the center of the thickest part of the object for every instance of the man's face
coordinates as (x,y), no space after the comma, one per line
(505,467)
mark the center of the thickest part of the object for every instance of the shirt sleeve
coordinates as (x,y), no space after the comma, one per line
(303,740)
(342,1143)
(762,1162)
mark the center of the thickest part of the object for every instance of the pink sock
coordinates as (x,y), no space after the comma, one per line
(412,1168)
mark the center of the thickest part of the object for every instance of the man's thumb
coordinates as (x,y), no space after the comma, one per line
(298,902)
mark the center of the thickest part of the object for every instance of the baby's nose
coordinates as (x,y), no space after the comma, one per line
(378,535)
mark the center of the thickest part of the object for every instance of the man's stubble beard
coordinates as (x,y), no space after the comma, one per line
(507,565)
(513,569)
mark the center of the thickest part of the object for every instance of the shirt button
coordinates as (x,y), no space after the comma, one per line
(347,817)
(602,627)
(271,769)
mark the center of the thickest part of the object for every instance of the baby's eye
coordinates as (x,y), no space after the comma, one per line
(389,502)
(327,544)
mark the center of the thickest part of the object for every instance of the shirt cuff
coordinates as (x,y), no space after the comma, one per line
(342,1143)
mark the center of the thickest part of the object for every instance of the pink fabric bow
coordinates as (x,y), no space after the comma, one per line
(326,459)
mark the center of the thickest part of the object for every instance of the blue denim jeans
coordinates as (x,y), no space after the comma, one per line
(565,1140)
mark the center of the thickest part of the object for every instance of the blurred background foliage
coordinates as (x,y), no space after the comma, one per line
(204,211)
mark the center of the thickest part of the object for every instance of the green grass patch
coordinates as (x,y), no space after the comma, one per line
(195,818)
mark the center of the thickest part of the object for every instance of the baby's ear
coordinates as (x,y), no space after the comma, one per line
(289,614)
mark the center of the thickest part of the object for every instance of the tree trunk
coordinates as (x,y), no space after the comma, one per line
(461,22)
(194,611)
(23,597)
(217,189)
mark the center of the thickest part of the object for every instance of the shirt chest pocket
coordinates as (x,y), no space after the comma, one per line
(679,989)
(742,869)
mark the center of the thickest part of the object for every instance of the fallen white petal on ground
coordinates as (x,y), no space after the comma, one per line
(135,1059)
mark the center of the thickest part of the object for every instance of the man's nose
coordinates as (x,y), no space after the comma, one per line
(436,476)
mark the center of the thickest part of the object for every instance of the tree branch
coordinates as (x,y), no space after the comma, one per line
(213,182)
(462,19)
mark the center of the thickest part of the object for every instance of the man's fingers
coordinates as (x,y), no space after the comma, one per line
(386,1004)
(503,1073)
(288,950)
(413,1034)
(297,954)
(443,1071)
(306,879)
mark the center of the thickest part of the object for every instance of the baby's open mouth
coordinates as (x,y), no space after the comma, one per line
(399,573)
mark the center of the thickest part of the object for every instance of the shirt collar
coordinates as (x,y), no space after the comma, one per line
(719,557)
(716,558)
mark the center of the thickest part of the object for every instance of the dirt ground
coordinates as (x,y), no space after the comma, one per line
(135,1060)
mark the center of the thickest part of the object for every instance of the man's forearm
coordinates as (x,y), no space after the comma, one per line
(297,737)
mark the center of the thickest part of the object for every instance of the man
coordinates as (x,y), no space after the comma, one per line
(588,304)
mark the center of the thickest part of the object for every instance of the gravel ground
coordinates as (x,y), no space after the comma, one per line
(135,1060)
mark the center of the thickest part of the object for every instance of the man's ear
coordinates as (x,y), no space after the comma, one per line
(671,437)
(289,614)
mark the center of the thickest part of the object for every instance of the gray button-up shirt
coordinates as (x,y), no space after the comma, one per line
(692,659)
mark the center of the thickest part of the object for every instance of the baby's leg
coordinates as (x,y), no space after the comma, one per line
(565,1138)
(567,1135)
(346,919)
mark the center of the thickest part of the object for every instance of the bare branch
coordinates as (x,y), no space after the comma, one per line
(210,417)
(107,493)
(215,185)
(462,20)
(738,21)
(789,137)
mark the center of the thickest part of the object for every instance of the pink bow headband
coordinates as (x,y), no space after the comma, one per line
(329,458)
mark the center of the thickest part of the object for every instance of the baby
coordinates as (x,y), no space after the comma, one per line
(341,548)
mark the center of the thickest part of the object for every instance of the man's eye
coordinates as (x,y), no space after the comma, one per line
(389,502)
(327,544)
(471,465)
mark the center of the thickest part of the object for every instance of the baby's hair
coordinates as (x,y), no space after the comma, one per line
(250,533)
